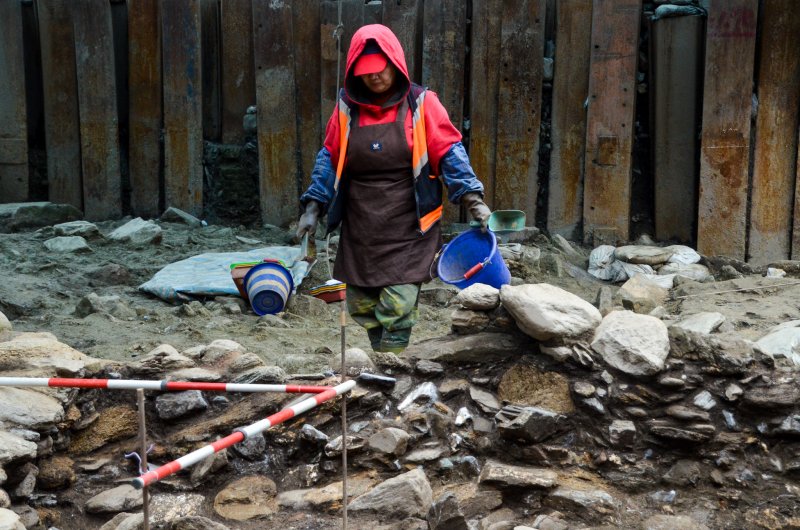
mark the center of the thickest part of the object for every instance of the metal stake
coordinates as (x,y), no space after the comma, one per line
(343,323)
(143,453)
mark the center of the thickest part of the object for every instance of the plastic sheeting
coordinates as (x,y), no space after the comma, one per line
(209,274)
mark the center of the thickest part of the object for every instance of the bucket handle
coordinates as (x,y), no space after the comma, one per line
(476,268)
(435,259)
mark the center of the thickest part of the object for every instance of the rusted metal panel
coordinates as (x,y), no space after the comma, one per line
(277,124)
(444,33)
(675,87)
(144,67)
(519,106)
(97,104)
(484,82)
(14,132)
(775,148)
(183,105)
(238,78)
(61,122)
(306,15)
(352,19)
(403,19)
(568,133)
(725,138)
(609,120)
(211,70)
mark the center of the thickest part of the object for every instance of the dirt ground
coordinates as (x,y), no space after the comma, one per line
(41,290)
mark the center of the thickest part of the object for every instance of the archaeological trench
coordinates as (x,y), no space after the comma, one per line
(631,387)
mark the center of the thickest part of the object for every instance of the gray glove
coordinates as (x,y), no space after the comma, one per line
(477,208)
(308,221)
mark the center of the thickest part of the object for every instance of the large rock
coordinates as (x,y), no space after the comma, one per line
(18,216)
(137,232)
(13,448)
(506,475)
(391,441)
(721,353)
(643,254)
(246,498)
(5,325)
(480,347)
(530,424)
(478,297)
(406,495)
(641,294)
(632,343)
(545,311)
(782,342)
(42,353)
(704,322)
(592,503)
(445,514)
(118,499)
(83,229)
(28,408)
(174,405)
(124,521)
(67,244)
(10,520)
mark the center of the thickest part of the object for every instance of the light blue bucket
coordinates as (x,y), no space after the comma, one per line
(473,257)
(269,286)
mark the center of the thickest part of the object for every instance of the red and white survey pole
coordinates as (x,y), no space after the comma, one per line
(242,434)
(164,386)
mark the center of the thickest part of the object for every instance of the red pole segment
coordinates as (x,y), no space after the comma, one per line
(166,386)
(241,434)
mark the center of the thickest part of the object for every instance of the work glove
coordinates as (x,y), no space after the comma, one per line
(477,208)
(308,221)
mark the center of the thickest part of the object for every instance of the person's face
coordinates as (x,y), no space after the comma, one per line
(380,82)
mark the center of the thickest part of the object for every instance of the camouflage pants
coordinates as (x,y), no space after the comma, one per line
(387,313)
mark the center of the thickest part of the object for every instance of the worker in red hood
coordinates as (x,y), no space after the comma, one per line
(389,146)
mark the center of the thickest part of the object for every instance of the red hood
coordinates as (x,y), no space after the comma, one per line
(388,43)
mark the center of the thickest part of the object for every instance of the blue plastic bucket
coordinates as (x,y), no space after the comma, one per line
(473,257)
(269,286)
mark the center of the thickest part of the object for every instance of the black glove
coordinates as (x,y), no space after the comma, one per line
(308,221)
(477,208)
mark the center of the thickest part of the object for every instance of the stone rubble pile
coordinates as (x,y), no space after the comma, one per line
(540,411)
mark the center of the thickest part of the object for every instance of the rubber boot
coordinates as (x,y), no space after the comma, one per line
(375,335)
(396,340)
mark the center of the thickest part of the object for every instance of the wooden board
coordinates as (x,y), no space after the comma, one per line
(568,133)
(352,19)
(212,58)
(144,146)
(61,122)
(677,51)
(238,78)
(14,132)
(403,19)
(609,120)
(183,105)
(97,104)
(305,14)
(484,82)
(277,122)
(519,106)
(775,149)
(725,139)
(444,31)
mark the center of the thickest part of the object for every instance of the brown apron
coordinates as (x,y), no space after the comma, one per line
(380,242)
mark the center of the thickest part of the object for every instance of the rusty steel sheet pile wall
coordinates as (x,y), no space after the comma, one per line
(165,76)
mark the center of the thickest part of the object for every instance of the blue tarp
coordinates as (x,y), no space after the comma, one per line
(210,274)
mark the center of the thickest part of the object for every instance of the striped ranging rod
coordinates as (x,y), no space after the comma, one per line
(164,386)
(241,434)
